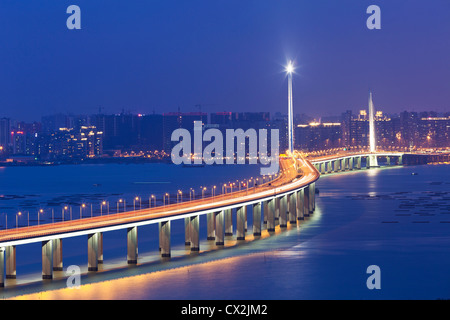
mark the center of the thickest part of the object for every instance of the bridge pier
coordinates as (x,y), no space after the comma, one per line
(57,255)
(132,245)
(194,233)
(350,163)
(10,253)
(265,211)
(245,218)
(164,238)
(187,239)
(240,223)
(257,219)
(306,200)
(210,226)
(358,163)
(400,160)
(220,234)
(372,161)
(283,211)
(277,210)
(313,197)
(100,247)
(299,204)
(2,267)
(93,252)
(293,208)
(271,215)
(228,222)
(47,257)
(388,161)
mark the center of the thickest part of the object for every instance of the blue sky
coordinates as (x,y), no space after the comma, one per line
(145,56)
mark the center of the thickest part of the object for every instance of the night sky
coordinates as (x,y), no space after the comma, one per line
(145,56)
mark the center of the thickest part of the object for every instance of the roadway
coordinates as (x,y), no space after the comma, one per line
(294,174)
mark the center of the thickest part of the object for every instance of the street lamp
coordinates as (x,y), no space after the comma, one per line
(203,192)
(168,199)
(63,211)
(191,192)
(40,211)
(17,220)
(150,200)
(104,203)
(134,203)
(180,193)
(118,208)
(81,209)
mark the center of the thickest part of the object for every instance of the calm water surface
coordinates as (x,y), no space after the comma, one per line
(385,217)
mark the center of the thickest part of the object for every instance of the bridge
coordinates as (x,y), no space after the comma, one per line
(288,198)
(353,161)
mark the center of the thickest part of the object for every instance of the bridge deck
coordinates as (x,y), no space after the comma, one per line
(289,179)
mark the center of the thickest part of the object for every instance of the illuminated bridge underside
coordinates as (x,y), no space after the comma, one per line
(339,163)
(290,197)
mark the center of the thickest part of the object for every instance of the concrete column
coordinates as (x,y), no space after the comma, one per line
(228,222)
(257,219)
(2,267)
(57,255)
(194,233)
(300,205)
(388,161)
(245,218)
(358,163)
(10,257)
(187,238)
(277,210)
(132,245)
(311,198)
(293,208)
(220,234)
(93,252)
(329,169)
(400,160)
(271,215)
(240,223)
(283,211)
(322,168)
(210,226)
(265,211)
(350,163)
(100,247)
(306,200)
(164,238)
(47,257)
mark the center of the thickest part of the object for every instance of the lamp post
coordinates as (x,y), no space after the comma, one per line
(203,192)
(134,203)
(63,211)
(39,213)
(118,208)
(81,209)
(17,220)
(168,199)
(150,201)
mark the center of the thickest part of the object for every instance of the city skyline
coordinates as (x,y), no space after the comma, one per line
(231,57)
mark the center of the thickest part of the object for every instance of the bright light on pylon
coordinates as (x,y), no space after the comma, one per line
(290,67)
